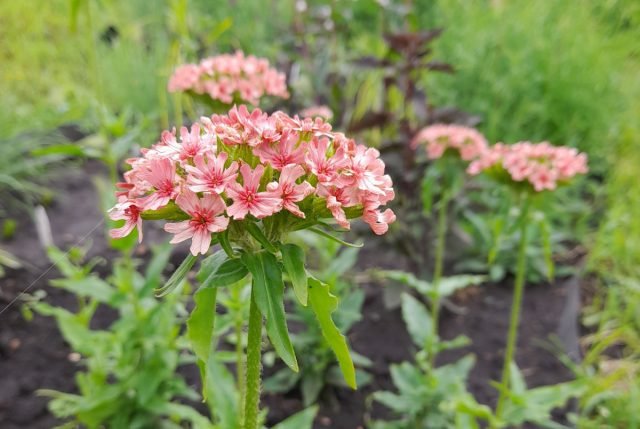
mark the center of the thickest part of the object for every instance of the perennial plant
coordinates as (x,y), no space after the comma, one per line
(244,180)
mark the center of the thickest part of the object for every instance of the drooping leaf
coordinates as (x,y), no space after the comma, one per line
(269,293)
(323,303)
(177,277)
(417,318)
(200,329)
(301,420)
(293,261)
(219,270)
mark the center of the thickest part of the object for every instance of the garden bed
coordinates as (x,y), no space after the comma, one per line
(33,354)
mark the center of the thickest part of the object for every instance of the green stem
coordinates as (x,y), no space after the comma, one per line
(240,373)
(252,386)
(515,313)
(437,276)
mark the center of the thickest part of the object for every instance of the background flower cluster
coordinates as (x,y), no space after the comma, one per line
(230,78)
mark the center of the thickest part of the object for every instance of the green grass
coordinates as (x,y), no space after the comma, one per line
(541,70)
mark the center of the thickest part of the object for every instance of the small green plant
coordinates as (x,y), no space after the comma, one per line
(130,378)
(430,396)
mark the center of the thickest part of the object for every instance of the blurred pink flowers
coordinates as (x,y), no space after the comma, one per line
(230,78)
(468,142)
(542,165)
(323,112)
(296,167)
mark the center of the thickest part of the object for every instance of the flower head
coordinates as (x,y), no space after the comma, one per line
(541,165)
(247,166)
(230,77)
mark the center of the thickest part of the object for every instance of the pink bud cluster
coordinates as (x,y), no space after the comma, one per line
(542,165)
(253,165)
(439,138)
(317,111)
(230,78)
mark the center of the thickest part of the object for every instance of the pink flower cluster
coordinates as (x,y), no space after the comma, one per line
(317,111)
(253,165)
(230,78)
(468,142)
(542,165)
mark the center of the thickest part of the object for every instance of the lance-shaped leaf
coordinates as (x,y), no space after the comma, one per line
(323,303)
(220,270)
(417,318)
(200,329)
(177,276)
(269,293)
(293,261)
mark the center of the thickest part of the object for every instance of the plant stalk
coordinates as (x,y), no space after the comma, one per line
(516,306)
(252,386)
(240,372)
(441,233)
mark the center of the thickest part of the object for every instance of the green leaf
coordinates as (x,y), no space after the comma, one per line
(293,260)
(223,237)
(177,276)
(92,287)
(257,233)
(449,285)
(200,329)
(417,318)
(269,294)
(331,237)
(223,394)
(323,303)
(408,279)
(219,270)
(301,420)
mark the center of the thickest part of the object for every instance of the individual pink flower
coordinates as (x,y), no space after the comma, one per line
(247,199)
(323,164)
(336,200)
(289,191)
(161,175)
(366,170)
(379,221)
(282,153)
(130,213)
(207,217)
(210,174)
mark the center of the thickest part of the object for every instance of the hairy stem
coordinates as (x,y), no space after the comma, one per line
(252,386)
(240,373)
(441,233)
(516,306)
